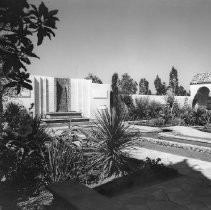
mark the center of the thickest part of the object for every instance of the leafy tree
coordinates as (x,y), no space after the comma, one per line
(181,91)
(19,22)
(174,84)
(173,80)
(127,84)
(94,78)
(159,86)
(144,87)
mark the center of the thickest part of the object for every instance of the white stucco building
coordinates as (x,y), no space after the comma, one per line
(52,94)
(200,88)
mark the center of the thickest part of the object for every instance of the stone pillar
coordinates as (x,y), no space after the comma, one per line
(36,96)
(51,94)
(41,95)
(74,95)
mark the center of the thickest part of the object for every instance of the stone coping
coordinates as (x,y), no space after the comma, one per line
(81,197)
(184,137)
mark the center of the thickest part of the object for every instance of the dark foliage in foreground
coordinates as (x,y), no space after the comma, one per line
(22,152)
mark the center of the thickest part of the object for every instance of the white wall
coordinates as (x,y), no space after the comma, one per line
(86,97)
(81,96)
(42,95)
(51,94)
(100,97)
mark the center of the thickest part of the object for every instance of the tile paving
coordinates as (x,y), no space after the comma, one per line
(191,191)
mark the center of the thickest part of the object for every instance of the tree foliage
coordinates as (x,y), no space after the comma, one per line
(159,86)
(181,91)
(127,84)
(174,84)
(94,78)
(114,96)
(173,80)
(144,87)
(19,22)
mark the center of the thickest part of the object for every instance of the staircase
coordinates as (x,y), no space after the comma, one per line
(64,119)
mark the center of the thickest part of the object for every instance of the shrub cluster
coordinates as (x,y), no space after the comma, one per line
(143,109)
(22,152)
(168,114)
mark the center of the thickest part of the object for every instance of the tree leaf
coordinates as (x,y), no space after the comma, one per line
(25,60)
(48,30)
(53,12)
(10,84)
(43,10)
(40,36)
(27,86)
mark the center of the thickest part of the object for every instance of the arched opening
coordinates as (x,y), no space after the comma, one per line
(201,98)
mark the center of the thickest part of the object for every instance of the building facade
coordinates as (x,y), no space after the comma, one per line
(52,94)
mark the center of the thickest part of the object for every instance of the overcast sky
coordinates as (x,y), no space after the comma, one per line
(141,37)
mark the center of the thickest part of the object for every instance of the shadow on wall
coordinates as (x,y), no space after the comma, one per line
(201,97)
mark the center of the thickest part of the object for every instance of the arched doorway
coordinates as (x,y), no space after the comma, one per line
(202,97)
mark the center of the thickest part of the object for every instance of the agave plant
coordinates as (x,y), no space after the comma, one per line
(109,137)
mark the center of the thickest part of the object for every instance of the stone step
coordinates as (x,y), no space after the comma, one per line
(63,120)
(63,115)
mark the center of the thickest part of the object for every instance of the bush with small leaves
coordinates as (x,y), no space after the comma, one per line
(22,155)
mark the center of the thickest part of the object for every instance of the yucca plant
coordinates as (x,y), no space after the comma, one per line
(106,143)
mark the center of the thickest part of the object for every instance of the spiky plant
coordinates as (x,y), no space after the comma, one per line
(108,139)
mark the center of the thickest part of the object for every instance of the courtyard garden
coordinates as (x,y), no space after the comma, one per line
(98,155)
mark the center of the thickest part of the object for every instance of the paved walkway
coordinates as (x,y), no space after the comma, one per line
(179,194)
(192,191)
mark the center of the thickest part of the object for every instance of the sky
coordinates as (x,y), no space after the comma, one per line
(140,37)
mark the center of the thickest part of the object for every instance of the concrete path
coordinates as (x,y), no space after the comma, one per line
(192,191)
(191,132)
